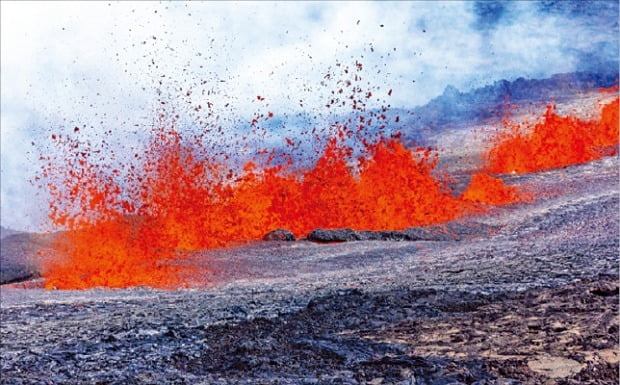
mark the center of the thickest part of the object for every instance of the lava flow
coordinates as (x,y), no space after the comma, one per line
(132,229)
(133,226)
(555,141)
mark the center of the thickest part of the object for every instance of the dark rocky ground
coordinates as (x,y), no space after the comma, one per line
(526,294)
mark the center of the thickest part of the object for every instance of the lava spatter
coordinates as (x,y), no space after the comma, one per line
(486,189)
(554,141)
(183,200)
(132,226)
(132,223)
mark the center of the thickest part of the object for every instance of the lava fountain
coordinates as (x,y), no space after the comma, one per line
(554,141)
(133,229)
(134,226)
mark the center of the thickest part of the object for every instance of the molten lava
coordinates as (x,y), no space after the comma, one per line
(133,226)
(488,190)
(183,201)
(555,141)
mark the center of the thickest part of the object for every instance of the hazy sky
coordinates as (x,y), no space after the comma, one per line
(99,64)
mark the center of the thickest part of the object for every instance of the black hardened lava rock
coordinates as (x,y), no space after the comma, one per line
(279,235)
(453,231)
(428,233)
(396,335)
(333,235)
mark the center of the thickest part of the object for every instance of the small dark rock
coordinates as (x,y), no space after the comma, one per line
(172,333)
(605,290)
(534,325)
(109,338)
(335,235)
(279,235)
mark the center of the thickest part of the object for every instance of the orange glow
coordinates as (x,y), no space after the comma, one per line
(134,232)
(555,141)
(133,226)
(488,190)
(114,253)
(608,126)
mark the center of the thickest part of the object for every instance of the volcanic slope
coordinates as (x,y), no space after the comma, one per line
(527,295)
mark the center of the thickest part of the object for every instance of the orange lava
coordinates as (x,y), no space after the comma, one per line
(555,141)
(113,253)
(133,226)
(488,190)
(134,230)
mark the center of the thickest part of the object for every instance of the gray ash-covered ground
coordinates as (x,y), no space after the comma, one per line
(525,294)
